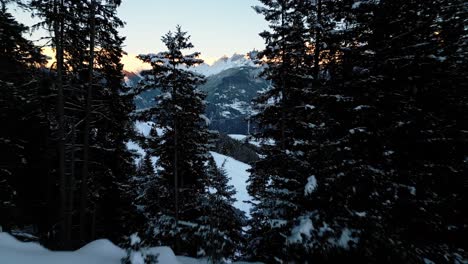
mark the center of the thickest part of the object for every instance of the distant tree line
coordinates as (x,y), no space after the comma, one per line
(240,150)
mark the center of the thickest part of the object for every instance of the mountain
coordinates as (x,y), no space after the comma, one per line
(224,63)
(232,83)
(132,65)
(230,94)
(131,78)
(145,99)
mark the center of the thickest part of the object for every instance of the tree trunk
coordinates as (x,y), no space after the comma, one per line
(58,34)
(87,128)
(283,84)
(176,160)
(70,189)
(318,38)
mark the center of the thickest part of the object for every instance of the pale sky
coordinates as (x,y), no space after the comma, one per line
(217,27)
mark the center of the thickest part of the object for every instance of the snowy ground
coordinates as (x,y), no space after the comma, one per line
(98,252)
(144,129)
(101,251)
(252,141)
(238,174)
(238,137)
(236,170)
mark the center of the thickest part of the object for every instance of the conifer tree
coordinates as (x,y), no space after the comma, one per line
(277,180)
(87,33)
(110,109)
(145,166)
(21,109)
(220,232)
(56,22)
(377,68)
(136,253)
(183,146)
(378,160)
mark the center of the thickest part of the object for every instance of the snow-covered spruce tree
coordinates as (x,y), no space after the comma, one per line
(145,166)
(311,238)
(342,152)
(278,179)
(13,50)
(136,253)
(220,231)
(389,161)
(421,106)
(174,198)
(21,109)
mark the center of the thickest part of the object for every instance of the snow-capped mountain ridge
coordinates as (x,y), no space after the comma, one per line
(224,63)
(134,66)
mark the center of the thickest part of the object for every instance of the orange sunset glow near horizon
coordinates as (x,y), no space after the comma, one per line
(217,27)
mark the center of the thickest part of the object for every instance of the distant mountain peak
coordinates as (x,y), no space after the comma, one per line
(237,57)
(131,78)
(134,66)
(225,63)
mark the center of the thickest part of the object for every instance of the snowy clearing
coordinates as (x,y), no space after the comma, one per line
(243,138)
(252,141)
(238,137)
(238,173)
(144,128)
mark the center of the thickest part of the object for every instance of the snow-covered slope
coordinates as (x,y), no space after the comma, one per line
(238,173)
(144,129)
